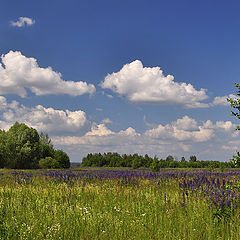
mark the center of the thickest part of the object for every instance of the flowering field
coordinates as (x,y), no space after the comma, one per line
(119,204)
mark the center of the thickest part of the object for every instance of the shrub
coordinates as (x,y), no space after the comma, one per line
(48,162)
(62,159)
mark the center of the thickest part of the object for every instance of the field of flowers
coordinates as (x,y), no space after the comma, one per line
(119,204)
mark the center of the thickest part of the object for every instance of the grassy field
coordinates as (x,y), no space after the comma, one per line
(118,204)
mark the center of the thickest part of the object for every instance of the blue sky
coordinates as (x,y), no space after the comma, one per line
(127,76)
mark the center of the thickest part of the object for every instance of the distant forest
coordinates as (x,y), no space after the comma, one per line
(22,147)
(138,161)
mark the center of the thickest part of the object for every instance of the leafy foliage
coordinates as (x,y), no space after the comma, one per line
(62,159)
(193,158)
(48,162)
(235,104)
(138,161)
(21,147)
(155,167)
(46,146)
(236,160)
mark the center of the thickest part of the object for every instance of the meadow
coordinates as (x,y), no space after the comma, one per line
(100,203)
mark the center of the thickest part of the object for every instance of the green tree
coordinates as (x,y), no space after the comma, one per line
(163,163)
(183,159)
(235,104)
(62,158)
(193,158)
(170,158)
(46,146)
(48,162)
(147,161)
(236,160)
(21,147)
(174,164)
(136,161)
(155,167)
(2,148)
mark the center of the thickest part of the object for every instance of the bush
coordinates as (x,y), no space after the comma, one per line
(62,159)
(48,162)
(155,167)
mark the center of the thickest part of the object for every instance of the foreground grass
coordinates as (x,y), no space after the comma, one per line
(107,209)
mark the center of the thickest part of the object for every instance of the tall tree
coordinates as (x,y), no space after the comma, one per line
(170,158)
(2,148)
(22,147)
(46,146)
(62,159)
(193,158)
(235,104)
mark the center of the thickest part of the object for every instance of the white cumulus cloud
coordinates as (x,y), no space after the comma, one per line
(148,84)
(22,22)
(222,100)
(18,73)
(182,137)
(101,136)
(227,126)
(184,129)
(3,102)
(41,118)
(99,130)
(129,132)
(186,123)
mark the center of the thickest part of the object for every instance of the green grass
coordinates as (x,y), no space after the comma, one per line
(106,210)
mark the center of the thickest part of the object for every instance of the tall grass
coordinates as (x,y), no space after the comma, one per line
(43,207)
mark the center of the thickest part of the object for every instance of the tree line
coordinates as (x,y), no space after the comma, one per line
(138,161)
(22,147)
